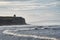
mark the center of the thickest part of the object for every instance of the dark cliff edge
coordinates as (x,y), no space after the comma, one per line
(8,20)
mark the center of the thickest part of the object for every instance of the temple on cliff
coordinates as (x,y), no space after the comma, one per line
(9,20)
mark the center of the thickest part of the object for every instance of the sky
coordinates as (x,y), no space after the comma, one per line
(43,11)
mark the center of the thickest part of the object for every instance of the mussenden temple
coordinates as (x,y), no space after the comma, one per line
(9,20)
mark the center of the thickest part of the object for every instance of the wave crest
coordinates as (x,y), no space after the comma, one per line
(23,35)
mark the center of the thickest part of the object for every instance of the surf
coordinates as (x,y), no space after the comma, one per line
(8,32)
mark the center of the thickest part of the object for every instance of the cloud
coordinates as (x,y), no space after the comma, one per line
(26,5)
(3,3)
(14,0)
(32,6)
(57,0)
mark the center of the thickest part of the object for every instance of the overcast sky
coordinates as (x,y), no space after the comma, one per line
(32,10)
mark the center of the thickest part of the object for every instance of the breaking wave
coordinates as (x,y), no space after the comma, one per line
(24,35)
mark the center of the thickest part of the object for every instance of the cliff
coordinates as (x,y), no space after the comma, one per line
(12,20)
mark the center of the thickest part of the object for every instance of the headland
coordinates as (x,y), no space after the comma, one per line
(9,20)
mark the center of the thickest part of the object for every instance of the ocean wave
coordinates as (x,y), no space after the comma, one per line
(24,35)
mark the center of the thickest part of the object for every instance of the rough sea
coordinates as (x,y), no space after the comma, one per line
(30,32)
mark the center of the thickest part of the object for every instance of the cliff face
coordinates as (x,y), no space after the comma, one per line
(12,21)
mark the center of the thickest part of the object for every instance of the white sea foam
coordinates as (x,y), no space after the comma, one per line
(24,35)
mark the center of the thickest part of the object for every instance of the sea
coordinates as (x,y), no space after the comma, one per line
(30,32)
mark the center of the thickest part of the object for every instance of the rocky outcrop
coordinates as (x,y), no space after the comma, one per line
(12,20)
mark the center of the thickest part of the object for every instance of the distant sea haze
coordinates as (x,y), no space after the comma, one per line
(49,22)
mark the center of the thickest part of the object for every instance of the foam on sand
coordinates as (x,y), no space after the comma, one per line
(23,35)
